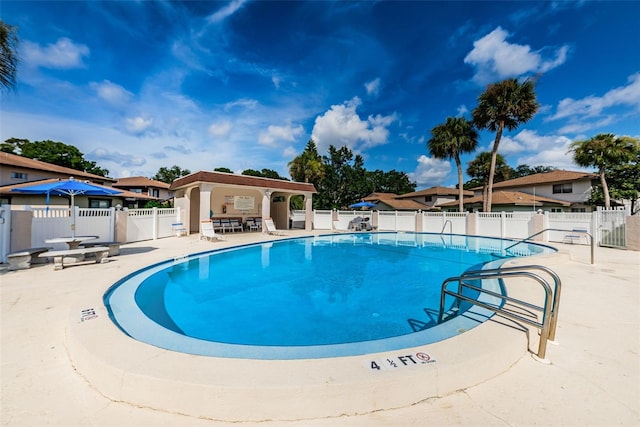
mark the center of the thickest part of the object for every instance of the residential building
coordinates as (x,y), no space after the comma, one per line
(562,185)
(158,190)
(435,196)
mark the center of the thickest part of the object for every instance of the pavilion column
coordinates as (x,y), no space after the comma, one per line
(266,204)
(308,212)
(205,201)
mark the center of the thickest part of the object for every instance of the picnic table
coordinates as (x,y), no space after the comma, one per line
(72,241)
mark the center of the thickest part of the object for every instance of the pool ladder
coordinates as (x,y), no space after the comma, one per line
(549,309)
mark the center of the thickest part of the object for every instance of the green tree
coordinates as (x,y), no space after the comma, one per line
(526,170)
(227,170)
(344,176)
(389,182)
(505,104)
(308,166)
(480,170)
(624,181)
(169,175)
(451,139)
(603,151)
(264,173)
(54,152)
(8,54)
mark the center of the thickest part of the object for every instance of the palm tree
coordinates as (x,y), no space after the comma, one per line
(480,168)
(505,104)
(308,166)
(448,140)
(604,151)
(8,55)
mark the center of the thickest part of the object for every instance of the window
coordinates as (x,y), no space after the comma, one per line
(155,192)
(578,209)
(562,188)
(556,210)
(19,175)
(100,203)
(136,190)
(428,198)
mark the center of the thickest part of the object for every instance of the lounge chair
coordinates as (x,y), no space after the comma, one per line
(271,227)
(207,232)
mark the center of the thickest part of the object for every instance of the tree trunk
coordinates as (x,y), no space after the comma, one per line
(492,170)
(460,189)
(605,189)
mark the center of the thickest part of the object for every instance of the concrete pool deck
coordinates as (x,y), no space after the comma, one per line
(51,375)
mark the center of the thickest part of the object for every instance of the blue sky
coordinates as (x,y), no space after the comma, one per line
(245,84)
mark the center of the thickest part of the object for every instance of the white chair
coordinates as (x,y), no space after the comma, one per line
(207,232)
(271,227)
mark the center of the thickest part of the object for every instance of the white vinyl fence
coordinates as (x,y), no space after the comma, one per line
(397,220)
(49,223)
(149,224)
(5,232)
(447,222)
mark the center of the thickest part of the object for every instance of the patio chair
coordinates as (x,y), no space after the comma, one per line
(207,232)
(271,227)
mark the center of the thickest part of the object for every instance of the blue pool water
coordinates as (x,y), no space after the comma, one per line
(320,296)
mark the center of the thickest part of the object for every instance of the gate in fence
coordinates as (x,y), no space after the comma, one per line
(612,228)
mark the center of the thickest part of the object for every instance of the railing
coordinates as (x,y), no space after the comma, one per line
(549,310)
(445,226)
(592,241)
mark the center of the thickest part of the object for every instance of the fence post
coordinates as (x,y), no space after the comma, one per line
(154,211)
(112,224)
(503,224)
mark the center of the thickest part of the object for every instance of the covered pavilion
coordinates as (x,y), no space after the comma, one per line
(203,195)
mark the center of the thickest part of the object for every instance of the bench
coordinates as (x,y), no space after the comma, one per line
(76,255)
(21,260)
(114,247)
(575,238)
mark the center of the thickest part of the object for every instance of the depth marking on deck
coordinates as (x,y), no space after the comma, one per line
(88,314)
(398,362)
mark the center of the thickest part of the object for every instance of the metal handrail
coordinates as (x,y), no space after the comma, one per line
(547,313)
(557,288)
(593,247)
(445,226)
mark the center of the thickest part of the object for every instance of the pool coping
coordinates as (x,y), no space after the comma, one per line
(233,389)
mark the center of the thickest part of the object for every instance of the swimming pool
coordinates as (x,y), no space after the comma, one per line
(322,296)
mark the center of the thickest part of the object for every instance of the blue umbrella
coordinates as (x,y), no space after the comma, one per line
(69,187)
(362,204)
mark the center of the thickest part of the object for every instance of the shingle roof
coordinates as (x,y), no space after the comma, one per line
(24,162)
(379,196)
(7,189)
(245,180)
(515,198)
(555,176)
(435,191)
(140,181)
(404,204)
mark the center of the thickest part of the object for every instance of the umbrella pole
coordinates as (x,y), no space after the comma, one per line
(73,217)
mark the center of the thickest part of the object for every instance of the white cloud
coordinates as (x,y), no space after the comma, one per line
(276,81)
(593,106)
(220,130)
(494,58)
(341,126)
(462,110)
(226,11)
(62,54)
(125,160)
(373,87)
(430,172)
(138,125)
(280,133)
(112,93)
